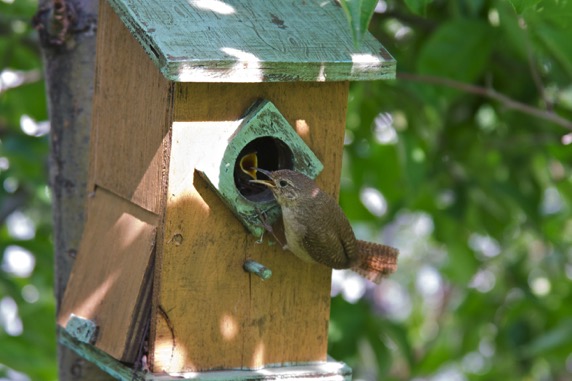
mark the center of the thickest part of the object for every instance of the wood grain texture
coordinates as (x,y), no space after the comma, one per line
(110,280)
(130,117)
(253,41)
(330,371)
(208,312)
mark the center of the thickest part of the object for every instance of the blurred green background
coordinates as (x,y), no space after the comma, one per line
(475,194)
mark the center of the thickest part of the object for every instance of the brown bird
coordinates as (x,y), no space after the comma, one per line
(317,230)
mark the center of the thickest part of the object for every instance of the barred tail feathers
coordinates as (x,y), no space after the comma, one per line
(376,260)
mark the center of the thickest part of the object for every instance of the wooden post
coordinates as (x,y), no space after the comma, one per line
(159,243)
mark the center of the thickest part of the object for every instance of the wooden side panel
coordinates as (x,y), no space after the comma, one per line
(209,313)
(131,114)
(109,283)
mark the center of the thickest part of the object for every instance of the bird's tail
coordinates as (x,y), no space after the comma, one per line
(376,260)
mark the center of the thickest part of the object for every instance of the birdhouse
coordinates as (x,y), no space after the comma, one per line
(187,93)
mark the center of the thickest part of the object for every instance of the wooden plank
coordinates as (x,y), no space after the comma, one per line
(110,281)
(209,313)
(253,41)
(330,371)
(131,117)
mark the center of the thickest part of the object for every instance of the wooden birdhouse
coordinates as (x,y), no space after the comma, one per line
(185,89)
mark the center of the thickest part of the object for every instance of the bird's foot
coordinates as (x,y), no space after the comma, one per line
(268,227)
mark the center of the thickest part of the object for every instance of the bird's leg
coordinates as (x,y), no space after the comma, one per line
(268,227)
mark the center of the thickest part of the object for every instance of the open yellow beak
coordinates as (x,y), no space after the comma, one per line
(248,164)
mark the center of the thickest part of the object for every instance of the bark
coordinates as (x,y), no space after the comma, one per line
(67,33)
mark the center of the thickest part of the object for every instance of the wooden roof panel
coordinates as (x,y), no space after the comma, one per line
(252,41)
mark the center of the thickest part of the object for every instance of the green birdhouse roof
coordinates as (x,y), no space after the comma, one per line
(253,41)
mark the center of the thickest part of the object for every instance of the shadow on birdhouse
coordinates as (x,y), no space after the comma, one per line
(262,138)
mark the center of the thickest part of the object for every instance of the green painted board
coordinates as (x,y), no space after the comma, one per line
(252,41)
(226,141)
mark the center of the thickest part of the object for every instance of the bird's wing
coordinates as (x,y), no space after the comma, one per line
(329,242)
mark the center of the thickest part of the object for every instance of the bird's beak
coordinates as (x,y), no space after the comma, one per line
(268,183)
(263,171)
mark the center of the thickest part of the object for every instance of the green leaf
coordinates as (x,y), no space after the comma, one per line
(549,26)
(359,13)
(559,336)
(417,6)
(557,44)
(522,5)
(459,49)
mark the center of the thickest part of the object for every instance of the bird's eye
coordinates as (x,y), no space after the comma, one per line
(282,183)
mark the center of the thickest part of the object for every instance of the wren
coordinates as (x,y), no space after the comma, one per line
(318,231)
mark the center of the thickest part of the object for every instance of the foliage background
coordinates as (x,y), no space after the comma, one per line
(476,195)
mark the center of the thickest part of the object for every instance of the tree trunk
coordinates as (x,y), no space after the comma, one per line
(67,34)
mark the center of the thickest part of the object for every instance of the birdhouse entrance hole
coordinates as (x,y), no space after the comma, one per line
(272,154)
(229,150)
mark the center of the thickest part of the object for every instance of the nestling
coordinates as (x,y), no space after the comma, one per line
(318,231)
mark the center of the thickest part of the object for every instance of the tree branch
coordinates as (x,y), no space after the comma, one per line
(491,94)
(67,35)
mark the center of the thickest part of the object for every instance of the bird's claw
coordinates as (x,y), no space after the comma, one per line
(263,218)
